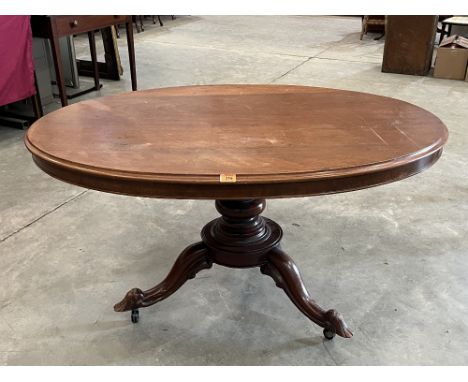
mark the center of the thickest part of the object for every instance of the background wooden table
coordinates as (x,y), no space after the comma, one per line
(54,27)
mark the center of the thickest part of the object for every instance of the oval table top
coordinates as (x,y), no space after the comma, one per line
(236,141)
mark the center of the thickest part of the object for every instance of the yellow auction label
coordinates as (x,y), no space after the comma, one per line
(227,178)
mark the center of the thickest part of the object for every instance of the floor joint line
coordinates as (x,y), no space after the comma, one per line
(42,216)
(290,70)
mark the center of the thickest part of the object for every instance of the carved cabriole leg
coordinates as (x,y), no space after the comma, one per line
(192,260)
(286,275)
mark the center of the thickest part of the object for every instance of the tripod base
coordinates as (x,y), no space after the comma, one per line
(240,238)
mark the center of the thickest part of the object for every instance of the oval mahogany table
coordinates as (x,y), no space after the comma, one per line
(237,144)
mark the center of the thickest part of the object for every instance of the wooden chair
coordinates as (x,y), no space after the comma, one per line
(140,27)
(159,19)
(373,24)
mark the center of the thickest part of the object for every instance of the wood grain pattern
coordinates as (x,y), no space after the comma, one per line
(278,140)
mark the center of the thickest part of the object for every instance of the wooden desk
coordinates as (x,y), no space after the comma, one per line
(54,27)
(238,145)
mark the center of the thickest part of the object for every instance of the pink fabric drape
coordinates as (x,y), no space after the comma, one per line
(16,60)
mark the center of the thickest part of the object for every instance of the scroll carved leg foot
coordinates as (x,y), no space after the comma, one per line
(192,260)
(286,275)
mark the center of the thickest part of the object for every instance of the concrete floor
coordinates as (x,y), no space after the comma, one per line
(392,259)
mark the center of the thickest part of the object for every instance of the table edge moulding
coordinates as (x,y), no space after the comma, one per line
(208,186)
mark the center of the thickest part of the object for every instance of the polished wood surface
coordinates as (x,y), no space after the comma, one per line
(277,140)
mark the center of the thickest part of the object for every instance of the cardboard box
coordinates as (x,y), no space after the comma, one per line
(452,58)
